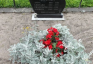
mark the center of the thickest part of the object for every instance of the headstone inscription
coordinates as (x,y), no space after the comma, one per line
(48,8)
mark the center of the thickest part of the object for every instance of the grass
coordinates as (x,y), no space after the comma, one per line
(19,3)
(88,3)
(26,3)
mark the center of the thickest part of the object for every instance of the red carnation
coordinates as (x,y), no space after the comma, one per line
(59,43)
(53,37)
(65,48)
(55,30)
(45,46)
(42,41)
(51,33)
(57,33)
(48,36)
(56,50)
(50,29)
(61,46)
(58,55)
(56,38)
(47,42)
(50,46)
(62,53)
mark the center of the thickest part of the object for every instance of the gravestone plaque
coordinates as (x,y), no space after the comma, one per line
(48,8)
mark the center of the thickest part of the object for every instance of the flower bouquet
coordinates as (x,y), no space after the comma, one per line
(52,46)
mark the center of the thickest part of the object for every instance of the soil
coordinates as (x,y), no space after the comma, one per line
(12,29)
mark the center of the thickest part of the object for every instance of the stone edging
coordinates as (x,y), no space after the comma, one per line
(28,10)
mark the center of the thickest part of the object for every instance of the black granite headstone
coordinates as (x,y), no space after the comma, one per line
(48,8)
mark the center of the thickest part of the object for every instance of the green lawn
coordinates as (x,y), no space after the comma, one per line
(19,3)
(26,3)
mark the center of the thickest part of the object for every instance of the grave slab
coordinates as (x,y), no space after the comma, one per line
(36,18)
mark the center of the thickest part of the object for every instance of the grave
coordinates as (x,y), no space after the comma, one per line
(47,9)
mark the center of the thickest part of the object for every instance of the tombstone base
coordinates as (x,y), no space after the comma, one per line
(47,17)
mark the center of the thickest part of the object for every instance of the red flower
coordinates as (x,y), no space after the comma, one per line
(61,46)
(47,42)
(45,46)
(59,43)
(53,36)
(56,50)
(42,41)
(48,36)
(50,29)
(65,48)
(56,38)
(51,33)
(57,33)
(55,30)
(58,55)
(62,53)
(50,46)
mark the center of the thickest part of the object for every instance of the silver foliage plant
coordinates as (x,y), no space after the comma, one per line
(31,51)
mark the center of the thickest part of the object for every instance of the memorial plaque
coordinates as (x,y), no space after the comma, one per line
(48,8)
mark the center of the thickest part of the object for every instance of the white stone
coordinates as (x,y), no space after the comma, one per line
(35,18)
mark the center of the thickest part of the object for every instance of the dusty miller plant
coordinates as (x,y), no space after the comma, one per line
(29,50)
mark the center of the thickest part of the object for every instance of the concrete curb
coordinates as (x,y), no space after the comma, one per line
(28,10)
(12,10)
